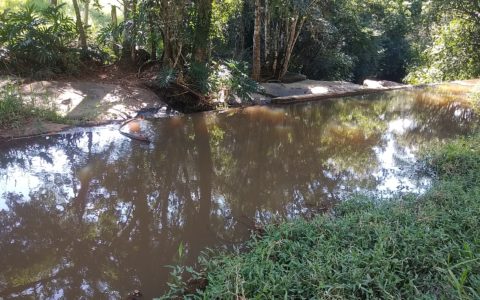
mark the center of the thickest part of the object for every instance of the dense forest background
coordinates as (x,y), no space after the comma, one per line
(196,41)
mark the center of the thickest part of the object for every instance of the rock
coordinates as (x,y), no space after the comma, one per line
(373,84)
(387,83)
(293,77)
(379,84)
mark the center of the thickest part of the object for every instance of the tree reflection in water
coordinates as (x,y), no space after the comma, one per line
(95,215)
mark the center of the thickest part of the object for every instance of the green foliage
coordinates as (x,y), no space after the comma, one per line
(233,77)
(199,77)
(165,77)
(354,40)
(38,41)
(14,110)
(452,55)
(222,12)
(178,285)
(341,40)
(422,247)
(110,36)
(229,78)
(11,107)
(458,161)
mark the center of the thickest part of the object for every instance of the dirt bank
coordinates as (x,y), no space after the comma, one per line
(87,102)
(81,103)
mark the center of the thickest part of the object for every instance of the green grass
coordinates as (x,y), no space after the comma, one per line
(414,247)
(14,111)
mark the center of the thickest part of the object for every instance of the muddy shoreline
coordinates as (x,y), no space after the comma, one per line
(88,103)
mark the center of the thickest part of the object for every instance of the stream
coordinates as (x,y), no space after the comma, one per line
(91,214)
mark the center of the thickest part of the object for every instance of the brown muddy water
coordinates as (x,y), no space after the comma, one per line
(94,215)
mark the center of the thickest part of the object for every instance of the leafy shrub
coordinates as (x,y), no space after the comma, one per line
(453,54)
(110,38)
(165,77)
(11,107)
(38,41)
(229,77)
(198,75)
(235,80)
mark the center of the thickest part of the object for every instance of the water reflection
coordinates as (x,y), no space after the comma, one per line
(94,215)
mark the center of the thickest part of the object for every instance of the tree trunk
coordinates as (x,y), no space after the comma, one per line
(133,36)
(266,35)
(114,16)
(275,48)
(167,54)
(86,14)
(153,38)
(295,29)
(81,31)
(53,2)
(126,57)
(167,48)
(115,24)
(202,31)
(256,61)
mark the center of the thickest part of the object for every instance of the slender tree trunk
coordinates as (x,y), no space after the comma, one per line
(295,29)
(81,31)
(242,30)
(126,57)
(115,24)
(202,31)
(240,42)
(133,52)
(153,38)
(275,48)
(266,41)
(167,36)
(114,15)
(256,61)
(167,48)
(86,14)
(290,39)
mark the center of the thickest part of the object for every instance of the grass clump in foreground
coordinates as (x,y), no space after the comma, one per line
(425,247)
(14,110)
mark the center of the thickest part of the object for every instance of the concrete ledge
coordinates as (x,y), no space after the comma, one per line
(316,97)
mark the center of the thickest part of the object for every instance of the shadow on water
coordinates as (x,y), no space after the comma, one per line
(91,214)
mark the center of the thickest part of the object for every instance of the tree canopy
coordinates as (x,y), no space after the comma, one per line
(414,41)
